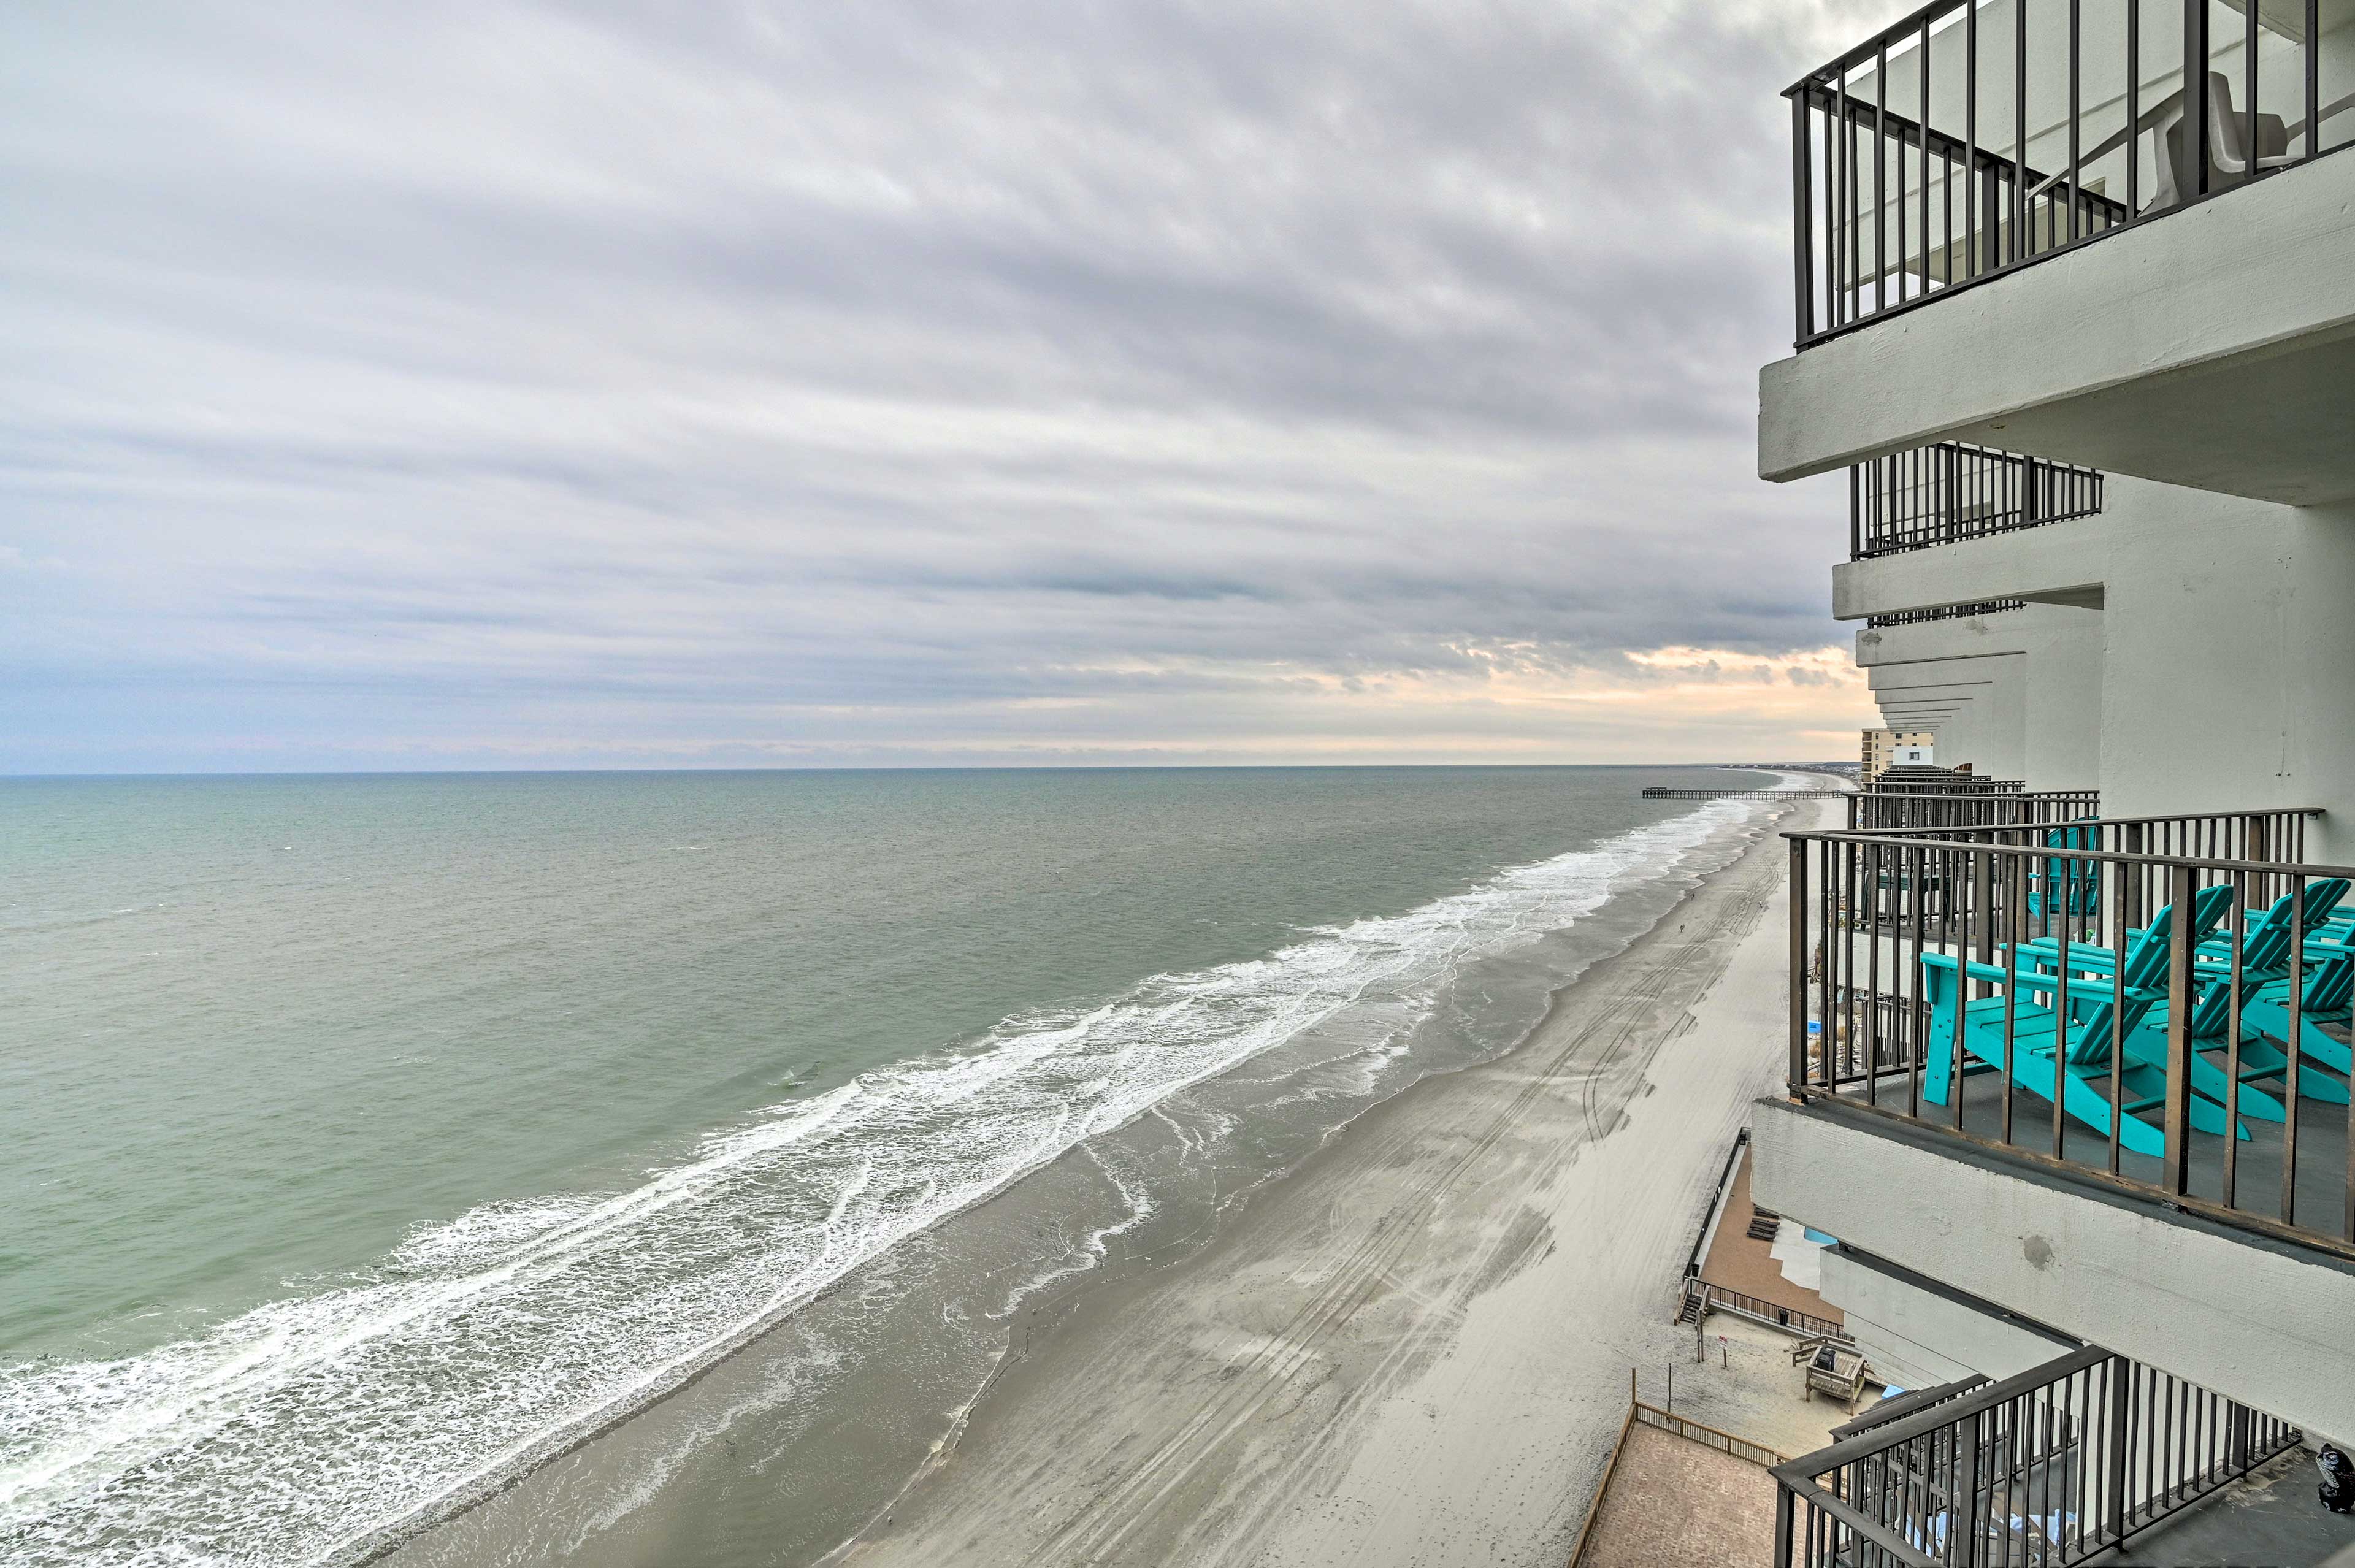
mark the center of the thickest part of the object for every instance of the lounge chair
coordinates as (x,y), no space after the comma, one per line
(2063,885)
(2229,156)
(2068,1039)
(2330,983)
(2264,999)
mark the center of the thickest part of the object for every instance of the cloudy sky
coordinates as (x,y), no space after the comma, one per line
(730,382)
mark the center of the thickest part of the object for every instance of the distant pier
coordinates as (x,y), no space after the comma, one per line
(1656,792)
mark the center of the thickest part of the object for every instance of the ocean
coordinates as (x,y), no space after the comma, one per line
(375,1140)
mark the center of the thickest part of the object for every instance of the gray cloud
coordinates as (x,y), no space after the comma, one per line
(430,384)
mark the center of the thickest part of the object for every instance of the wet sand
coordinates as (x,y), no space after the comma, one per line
(1414,1349)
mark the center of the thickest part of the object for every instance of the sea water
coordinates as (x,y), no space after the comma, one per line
(373,1139)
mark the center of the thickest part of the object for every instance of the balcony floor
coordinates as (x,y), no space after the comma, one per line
(2270,1517)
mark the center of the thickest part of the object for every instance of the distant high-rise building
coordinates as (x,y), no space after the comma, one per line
(1886,748)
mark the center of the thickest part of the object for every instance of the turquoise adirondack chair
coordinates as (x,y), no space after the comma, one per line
(2330,986)
(2264,1001)
(2078,1032)
(2064,886)
(2265,962)
(2264,995)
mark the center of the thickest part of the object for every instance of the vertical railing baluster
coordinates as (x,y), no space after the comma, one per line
(1972,216)
(2171,1443)
(1796,1082)
(1946,214)
(2076,185)
(1871,910)
(2122,906)
(2126,1389)
(2022,245)
(1917,1029)
(2061,998)
(1966,1461)
(1851,871)
(1803,217)
(2177,1158)
(2134,110)
(2249,85)
(2010,993)
(1948,940)
(1880,180)
(1854,197)
(1828,900)
(1898,152)
(1841,154)
(2238,882)
(1921,134)
(2296,1001)
(2195,95)
(2313,78)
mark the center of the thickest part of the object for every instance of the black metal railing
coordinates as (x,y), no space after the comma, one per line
(1911,1402)
(1881,811)
(1954,146)
(1901,780)
(1945,613)
(1950,491)
(2050,1467)
(2106,995)
(2275,836)
(1758,1309)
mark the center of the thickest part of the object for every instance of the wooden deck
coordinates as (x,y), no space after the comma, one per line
(1737,1262)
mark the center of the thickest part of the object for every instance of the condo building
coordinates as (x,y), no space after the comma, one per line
(2069,1068)
(1884,747)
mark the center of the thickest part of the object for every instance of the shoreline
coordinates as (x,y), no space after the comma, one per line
(630,1451)
(1305,1386)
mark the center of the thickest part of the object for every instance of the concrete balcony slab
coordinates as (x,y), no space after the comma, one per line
(2256,1319)
(2065,563)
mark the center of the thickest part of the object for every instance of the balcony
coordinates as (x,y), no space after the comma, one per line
(1949,492)
(2059,1464)
(1893,807)
(1943,495)
(2096,1070)
(1970,612)
(2013,227)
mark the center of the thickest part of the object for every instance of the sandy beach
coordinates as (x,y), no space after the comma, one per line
(1414,1349)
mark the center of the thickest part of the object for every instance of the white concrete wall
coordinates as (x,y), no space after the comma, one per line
(2064,659)
(2262,1322)
(2228,675)
(1919,1338)
(1990,732)
(1947,722)
(2217,674)
(2058,650)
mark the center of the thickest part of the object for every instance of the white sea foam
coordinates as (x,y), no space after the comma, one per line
(296,1428)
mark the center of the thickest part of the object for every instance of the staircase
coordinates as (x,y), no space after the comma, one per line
(1764,1223)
